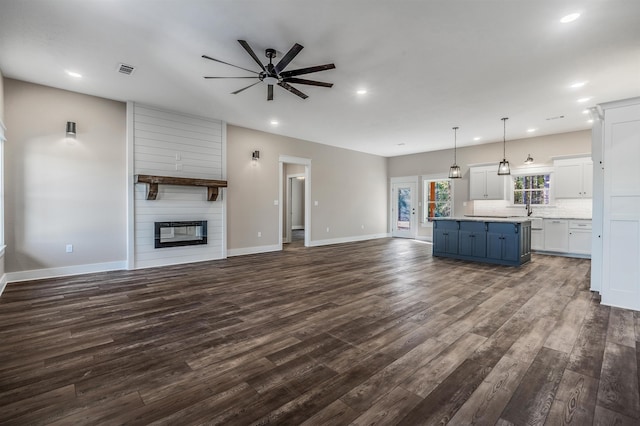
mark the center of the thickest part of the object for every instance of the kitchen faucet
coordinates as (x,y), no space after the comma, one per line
(528,206)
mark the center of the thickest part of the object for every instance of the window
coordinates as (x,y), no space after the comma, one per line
(533,189)
(438,196)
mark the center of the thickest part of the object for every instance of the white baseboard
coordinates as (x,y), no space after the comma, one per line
(353,239)
(424,238)
(297,227)
(253,250)
(37,274)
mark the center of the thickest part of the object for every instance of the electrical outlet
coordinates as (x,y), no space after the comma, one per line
(327,229)
(69,248)
(362,226)
(259,234)
(178,167)
(315,203)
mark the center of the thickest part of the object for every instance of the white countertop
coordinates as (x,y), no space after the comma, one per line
(514,219)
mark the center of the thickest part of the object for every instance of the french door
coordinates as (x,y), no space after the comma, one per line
(404,202)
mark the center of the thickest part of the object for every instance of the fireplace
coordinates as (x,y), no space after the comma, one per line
(177,234)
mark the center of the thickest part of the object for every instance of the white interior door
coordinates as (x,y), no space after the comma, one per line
(404,203)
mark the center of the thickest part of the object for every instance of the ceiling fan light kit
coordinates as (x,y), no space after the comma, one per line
(274,75)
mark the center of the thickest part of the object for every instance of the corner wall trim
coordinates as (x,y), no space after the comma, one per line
(37,274)
(253,250)
(342,240)
(3,283)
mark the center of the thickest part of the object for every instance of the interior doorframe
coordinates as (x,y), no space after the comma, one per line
(288,207)
(306,162)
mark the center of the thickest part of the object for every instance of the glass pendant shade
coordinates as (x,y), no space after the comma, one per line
(503,167)
(454,171)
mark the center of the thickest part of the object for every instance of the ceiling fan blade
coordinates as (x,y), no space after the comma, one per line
(270,92)
(307,70)
(244,88)
(227,63)
(309,82)
(288,57)
(250,51)
(292,90)
(233,77)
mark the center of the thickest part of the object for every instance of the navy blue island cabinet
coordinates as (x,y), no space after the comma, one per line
(504,242)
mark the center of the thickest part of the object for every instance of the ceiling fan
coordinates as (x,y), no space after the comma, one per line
(275,74)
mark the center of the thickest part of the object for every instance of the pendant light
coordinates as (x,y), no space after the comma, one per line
(503,167)
(454,171)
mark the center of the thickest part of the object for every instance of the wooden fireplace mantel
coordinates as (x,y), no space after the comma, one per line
(153,182)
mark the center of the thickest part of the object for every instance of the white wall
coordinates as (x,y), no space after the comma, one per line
(63,191)
(178,145)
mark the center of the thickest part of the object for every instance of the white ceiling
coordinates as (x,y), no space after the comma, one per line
(427,65)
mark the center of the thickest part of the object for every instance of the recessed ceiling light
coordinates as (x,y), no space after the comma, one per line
(361,91)
(531,130)
(74,74)
(589,121)
(570,18)
(400,144)
(578,84)
(582,100)
(274,122)
(585,111)
(477,138)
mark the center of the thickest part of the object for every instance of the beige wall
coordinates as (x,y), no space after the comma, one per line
(1,97)
(350,188)
(61,191)
(541,148)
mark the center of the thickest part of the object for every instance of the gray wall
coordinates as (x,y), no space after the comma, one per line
(350,188)
(60,191)
(2,267)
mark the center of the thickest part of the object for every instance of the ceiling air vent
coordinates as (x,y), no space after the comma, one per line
(125,69)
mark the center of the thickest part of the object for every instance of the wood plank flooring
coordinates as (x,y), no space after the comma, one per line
(374,332)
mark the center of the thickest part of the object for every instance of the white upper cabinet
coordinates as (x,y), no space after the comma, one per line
(486,184)
(573,178)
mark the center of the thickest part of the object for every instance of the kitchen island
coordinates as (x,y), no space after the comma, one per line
(503,241)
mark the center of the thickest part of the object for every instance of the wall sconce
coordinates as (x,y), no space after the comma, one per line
(71,129)
(255,155)
(529,160)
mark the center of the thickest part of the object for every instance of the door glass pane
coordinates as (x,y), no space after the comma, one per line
(404,208)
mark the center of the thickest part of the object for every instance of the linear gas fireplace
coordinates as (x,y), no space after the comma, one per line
(176,234)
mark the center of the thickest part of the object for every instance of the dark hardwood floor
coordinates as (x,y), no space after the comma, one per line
(375,332)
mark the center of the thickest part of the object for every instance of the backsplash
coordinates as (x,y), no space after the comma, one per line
(563,208)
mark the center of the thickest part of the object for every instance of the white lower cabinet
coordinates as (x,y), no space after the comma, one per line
(556,235)
(580,236)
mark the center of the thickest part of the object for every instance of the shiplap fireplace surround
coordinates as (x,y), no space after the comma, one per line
(177,172)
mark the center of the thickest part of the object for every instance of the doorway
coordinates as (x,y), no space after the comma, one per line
(294,206)
(299,170)
(404,223)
